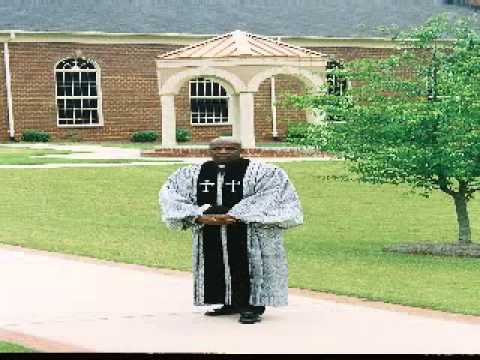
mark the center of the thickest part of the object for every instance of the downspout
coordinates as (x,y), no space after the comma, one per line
(8,83)
(274,107)
(273,100)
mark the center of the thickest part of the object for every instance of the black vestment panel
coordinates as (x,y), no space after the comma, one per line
(214,267)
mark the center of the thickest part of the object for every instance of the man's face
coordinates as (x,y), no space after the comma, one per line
(223,152)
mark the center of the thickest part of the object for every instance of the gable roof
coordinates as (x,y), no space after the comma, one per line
(240,43)
(345,18)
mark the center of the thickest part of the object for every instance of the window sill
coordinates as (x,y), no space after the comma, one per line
(218,124)
(80,126)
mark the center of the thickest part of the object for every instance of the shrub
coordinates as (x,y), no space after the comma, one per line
(35,136)
(183,135)
(297,131)
(144,136)
(311,135)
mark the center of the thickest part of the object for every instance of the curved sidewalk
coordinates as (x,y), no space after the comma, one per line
(99,152)
(71,303)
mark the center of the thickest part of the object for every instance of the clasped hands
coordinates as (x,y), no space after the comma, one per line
(214,219)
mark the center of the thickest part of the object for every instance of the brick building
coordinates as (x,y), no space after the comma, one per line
(104,85)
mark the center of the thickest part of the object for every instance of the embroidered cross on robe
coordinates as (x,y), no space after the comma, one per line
(226,272)
(266,203)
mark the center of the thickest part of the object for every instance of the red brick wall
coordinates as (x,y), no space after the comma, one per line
(200,133)
(284,85)
(128,82)
(350,53)
(130,92)
(263,114)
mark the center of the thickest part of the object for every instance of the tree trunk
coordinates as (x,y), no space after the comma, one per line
(464,232)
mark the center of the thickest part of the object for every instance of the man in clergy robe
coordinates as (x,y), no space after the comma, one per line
(237,209)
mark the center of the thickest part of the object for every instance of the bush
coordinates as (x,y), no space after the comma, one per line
(296,131)
(311,135)
(183,135)
(35,136)
(144,136)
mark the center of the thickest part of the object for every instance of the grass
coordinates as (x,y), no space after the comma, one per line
(7,347)
(25,156)
(337,250)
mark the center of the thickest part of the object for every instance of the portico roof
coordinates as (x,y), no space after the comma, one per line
(241,44)
(240,62)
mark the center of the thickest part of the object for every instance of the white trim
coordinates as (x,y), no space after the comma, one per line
(198,83)
(98,37)
(8,84)
(210,124)
(80,125)
(274,107)
(75,70)
(309,78)
(172,85)
(239,60)
(98,97)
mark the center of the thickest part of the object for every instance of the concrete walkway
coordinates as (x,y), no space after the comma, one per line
(98,152)
(68,303)
(81,151)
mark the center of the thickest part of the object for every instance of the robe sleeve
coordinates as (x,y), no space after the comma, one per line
(274,202)
(176,199)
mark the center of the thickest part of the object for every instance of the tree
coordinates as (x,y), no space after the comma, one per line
(412,117)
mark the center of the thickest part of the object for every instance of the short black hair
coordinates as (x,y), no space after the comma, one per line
(225,139)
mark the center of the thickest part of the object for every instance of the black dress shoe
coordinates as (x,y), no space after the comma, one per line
(224,310)
(249,317)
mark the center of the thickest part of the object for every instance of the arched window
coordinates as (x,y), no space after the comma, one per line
(77,93)
(208,102)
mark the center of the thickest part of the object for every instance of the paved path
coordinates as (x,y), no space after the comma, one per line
(69,303)
(84,151)
(98,152)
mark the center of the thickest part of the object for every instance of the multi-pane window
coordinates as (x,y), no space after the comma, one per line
(208,102)
(336,85)
(77,93)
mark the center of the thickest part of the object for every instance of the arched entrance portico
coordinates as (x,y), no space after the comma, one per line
(240,62)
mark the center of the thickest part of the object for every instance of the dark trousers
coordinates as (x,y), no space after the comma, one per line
(238,264)
(240,276)
(255,309)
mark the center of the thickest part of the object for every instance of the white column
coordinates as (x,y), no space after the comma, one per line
(247,127)
(234,115)
(168,121)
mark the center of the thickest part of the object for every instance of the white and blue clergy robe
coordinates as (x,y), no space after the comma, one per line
(270,205)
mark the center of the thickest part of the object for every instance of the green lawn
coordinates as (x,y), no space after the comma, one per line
(338,249)
(6,347)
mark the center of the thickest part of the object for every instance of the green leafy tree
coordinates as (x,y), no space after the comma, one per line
(412,117)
